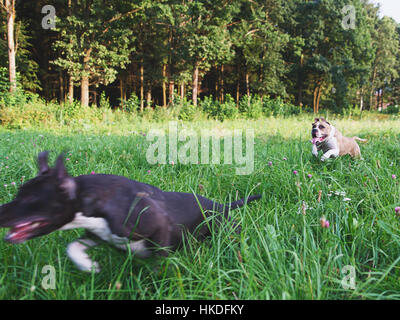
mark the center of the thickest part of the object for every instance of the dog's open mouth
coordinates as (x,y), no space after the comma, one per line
(24,231)
(314,140)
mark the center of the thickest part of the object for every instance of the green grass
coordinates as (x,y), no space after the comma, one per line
(281,253)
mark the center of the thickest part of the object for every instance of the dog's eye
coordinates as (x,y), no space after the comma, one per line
(321,127)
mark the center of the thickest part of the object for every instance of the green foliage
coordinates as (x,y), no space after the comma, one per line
(132,105)
(277,107)
(220,111)
(104,102)
(252,109)
(6,98)
(392,109)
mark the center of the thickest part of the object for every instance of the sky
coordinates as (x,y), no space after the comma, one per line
(390,8)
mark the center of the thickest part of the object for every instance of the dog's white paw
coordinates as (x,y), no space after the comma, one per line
(93,266)
(76,251)
(323,158)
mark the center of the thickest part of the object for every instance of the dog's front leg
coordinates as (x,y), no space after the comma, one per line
(315,150)
(330,153)
(76,251)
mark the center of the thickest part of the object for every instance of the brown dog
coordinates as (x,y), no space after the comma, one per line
(327,138)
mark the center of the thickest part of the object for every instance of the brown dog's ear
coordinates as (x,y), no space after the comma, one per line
(43,159)
(324,120)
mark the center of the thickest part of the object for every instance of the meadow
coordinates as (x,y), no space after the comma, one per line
(282,252)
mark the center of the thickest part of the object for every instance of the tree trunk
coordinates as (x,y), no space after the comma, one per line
(141,87)
(374,74)
(319,97)
(62,94)
(164,85)
(10,7)
(171,89)
(237,93)
(70,90)
(85,91)
(85,80)
(300,82)
(182,90)
(148,96)
(195,89)
(121,92)
(315,99)
(221,86)
(248,88)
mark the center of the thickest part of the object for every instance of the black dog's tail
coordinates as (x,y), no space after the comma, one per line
(240,203)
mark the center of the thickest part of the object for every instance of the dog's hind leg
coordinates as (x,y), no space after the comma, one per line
(160,241)
(76,251)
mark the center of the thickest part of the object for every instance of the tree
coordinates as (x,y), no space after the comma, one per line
(261,43)
(95,42)
(384,68)
(203,36)
(9,7)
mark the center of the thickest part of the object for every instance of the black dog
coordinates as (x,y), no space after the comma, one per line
(124,212)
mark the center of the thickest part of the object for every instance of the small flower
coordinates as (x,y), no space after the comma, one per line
(6,167)
(67,159)
(270,163)
(324,223)
(5,186)
(148,171)
(295,172)
(172,162)
(394,176)
(397,210)
(13,183)
(284,159)
(93,172)
(33,288)
(309,175)
(118,285)
(7,158)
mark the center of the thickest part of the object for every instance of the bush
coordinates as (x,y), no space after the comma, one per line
(392,109)
(218,111)
(6,98)
(132,105)
(277,107)
(254,110)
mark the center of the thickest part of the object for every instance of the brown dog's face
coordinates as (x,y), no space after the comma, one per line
(321,129)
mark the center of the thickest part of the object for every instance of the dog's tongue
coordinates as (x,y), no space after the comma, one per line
(315,140)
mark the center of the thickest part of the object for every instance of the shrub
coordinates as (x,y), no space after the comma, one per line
(254,110)
(277,107)
(220,111)
(132,105)
(392,109)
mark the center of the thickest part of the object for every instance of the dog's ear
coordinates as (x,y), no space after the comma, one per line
(43,158)
(324,120)
(60,170)
(316,120)
(67,184)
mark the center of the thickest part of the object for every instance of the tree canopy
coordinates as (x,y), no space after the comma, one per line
(331,54)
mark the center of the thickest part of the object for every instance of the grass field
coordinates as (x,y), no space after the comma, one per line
(281,253)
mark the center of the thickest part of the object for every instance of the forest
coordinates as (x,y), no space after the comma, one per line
(322,54)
